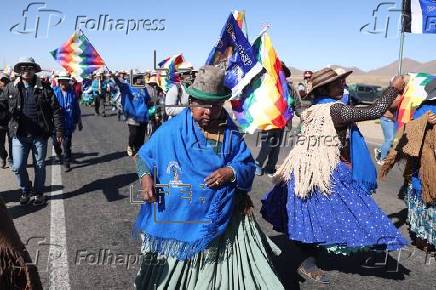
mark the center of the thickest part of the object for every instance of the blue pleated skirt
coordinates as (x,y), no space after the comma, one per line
(347,220)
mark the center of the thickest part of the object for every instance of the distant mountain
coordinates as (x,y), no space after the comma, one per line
(429,67)
(355,69)
(295,72)
(409,65)
(381,75)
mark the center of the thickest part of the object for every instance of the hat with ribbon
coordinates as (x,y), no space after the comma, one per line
(209,84)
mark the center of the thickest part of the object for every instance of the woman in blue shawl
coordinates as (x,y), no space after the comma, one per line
(417,145)
(322,196)
(196,227)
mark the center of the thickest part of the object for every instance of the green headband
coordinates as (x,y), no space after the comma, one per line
(200,95)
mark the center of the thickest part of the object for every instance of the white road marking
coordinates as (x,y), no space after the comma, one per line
(58,261)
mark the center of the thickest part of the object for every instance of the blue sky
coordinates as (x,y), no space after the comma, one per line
(306,34)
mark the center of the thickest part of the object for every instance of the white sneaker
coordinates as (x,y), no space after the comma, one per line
(377,154)
(129,151)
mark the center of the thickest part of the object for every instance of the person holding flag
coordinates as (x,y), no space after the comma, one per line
(175,94)
(69,103)
(416,144)
(322,193)
(135,103)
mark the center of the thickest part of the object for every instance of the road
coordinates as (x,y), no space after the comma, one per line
(82,239)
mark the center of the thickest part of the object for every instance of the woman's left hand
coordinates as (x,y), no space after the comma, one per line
(220,177)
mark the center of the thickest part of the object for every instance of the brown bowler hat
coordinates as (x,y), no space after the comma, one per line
(325,76)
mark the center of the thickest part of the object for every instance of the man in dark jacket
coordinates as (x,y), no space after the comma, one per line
(34,114)
(4,120)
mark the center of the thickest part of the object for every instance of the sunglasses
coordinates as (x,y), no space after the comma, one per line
(210,106)
(27,68)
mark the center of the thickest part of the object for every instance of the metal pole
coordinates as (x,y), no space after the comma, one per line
(246,27)
(400,55)
(400,63)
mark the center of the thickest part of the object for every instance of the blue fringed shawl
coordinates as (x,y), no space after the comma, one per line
(176,226)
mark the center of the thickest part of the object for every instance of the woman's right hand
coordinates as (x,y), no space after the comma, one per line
(147,186)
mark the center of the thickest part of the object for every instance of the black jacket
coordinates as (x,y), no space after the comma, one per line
(50,116)
(4,112)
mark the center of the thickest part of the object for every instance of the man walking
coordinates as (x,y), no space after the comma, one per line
(69,103)
(34,115)
(4,120)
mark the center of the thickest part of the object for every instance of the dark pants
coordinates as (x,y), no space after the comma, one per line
(3,151)
(100,103)
(137,136)
(271,142)
(66,146)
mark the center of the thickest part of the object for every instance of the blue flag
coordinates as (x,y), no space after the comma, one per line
(134,102)
(419,16)
(235,50)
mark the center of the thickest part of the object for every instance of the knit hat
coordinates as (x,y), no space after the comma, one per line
(209,84)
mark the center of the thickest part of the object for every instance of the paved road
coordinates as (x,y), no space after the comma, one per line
(92,247)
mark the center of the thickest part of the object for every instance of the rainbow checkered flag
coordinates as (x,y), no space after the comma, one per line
(77,56)
(171,64)
(267,102)
(420,87)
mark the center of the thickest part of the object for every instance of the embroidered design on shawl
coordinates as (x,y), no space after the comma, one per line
(315,154)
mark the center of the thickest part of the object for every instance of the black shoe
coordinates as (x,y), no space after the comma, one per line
(3,163)
(67,167)
(24,198)
(39,200)
(270,173)
(314,274)
(59,158)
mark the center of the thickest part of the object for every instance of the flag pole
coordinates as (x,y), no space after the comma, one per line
(400,64)
(400,54)
(246,26)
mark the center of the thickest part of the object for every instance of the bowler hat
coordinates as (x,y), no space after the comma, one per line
(325,76)
(209,84)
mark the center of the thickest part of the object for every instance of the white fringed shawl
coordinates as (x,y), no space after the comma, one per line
(315,154)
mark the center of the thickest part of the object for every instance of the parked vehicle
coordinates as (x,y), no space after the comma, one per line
(364,94)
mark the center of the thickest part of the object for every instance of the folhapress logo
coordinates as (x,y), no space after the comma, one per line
(108,23)
(38,20)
